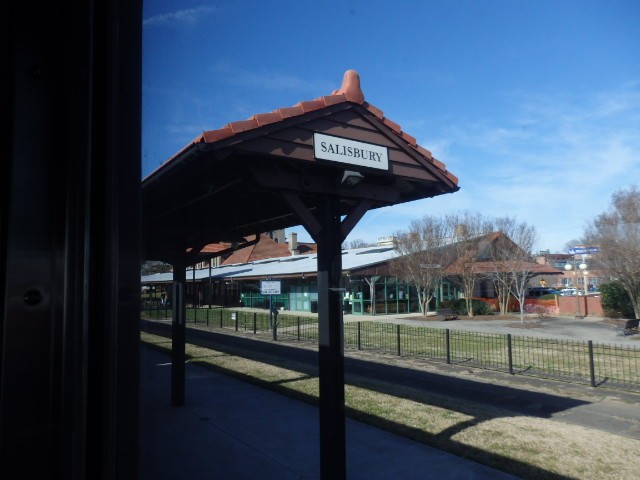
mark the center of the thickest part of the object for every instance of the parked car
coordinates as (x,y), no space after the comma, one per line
(568,292)
(536,292)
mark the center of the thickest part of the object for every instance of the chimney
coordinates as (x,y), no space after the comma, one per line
(293,244)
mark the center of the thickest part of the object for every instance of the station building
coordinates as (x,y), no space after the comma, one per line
(369,287)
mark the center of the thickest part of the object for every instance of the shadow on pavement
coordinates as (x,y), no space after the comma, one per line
(468,396)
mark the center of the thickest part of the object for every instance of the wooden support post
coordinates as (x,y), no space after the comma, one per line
(178,335)
(329,231)
(331,348)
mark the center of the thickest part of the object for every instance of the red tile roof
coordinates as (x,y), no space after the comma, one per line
(350,91)
(266,248)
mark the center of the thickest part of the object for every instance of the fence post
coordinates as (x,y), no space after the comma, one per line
(195,316)
(592,367)
(208,315)
(221,317)
(254,322)
(237,317)
(448,345)
(298,322)
(358,338)
(510,352)
(275,328)
(398,338)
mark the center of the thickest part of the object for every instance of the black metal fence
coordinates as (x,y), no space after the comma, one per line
(595,364)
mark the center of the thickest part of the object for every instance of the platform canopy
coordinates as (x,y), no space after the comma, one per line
(322,163)
(263,173)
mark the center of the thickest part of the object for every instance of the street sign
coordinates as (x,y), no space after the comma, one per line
(270,287)
(581,250)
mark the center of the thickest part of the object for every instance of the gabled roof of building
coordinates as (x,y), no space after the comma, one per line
(266,248)
(484,263)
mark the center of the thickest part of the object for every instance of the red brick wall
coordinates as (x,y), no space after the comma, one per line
(561,305)
(589,305)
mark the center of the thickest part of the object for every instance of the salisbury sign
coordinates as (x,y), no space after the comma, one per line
(327,147)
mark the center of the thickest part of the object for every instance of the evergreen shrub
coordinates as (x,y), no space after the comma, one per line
(615,301)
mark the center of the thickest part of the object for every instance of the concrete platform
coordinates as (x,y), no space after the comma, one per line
(230,429)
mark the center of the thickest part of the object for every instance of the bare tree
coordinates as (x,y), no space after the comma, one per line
(467,229)
(371,281)
(422,256)
(617,233)
(357,243)
(513,264)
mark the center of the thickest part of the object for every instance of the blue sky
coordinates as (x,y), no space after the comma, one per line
(533,104)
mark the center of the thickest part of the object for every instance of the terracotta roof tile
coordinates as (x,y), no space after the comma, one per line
(392,125)
(266,118)
(423,151)
(311,105)
(451,177)
(287,112)
(216,135)
(243,125)
(333,99)
(375,111)
(215,247)
(350,91)
(409,139)
(265,248)
(438,164)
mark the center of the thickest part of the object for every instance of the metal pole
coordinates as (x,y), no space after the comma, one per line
(210,285)
(270,311)
(575,273)
(592,369)
(510,352)
(448,345)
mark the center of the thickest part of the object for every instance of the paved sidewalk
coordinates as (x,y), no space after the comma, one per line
(234,430)
(561,327)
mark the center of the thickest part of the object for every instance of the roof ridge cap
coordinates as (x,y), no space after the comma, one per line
(351,87)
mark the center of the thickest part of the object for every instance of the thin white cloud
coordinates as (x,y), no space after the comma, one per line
(188,16)
(271,80)
(554,164)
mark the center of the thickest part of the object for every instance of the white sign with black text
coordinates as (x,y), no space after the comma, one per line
(327,147)
(270,287)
